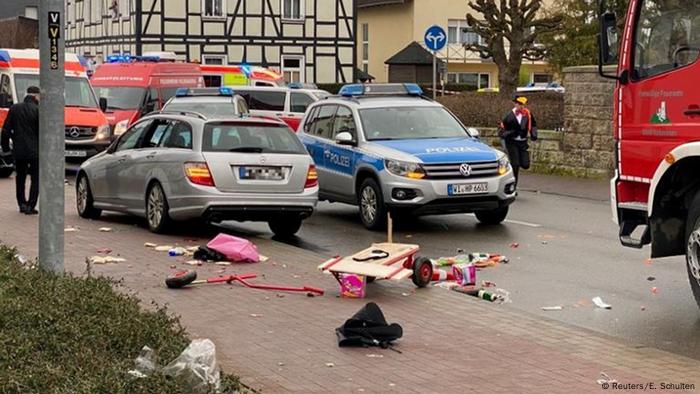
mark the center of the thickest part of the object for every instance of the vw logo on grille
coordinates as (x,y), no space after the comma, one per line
(465,169)
(74,132)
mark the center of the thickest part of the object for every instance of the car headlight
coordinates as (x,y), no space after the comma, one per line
(121,127)
(503,164)
(408,170)
(102,133)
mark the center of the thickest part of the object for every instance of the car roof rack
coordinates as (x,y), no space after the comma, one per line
(184,113)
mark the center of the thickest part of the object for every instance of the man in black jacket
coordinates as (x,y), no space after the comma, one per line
(515,128)
(22,127)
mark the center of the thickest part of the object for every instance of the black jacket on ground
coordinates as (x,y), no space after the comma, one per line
(22,127)
(510,128)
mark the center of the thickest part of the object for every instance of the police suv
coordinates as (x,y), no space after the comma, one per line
(386,147)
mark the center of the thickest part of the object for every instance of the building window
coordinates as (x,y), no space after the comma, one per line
(293,68)
(473,80)
(125,9)
(292,9)
(458,32)
(217,60)
(542,78)
(213,8)
(365,47)
(96,12)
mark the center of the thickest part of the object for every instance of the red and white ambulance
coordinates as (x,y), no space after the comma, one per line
(226,75)
(87,130)
(137,85)
(656,189)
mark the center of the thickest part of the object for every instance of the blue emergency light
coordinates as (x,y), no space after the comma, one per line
(125,58)
(387,89)
(182,92)
(246,70)
(5,56)
(352,90)
(225,91)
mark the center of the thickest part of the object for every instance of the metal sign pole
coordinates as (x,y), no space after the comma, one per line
(434,75)
(51,135)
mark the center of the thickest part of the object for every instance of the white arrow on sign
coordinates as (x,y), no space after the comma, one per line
(435,39)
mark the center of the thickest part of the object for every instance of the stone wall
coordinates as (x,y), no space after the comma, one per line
(585,147)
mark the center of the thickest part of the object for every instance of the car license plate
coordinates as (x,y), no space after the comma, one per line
(76,153)
(261,173)
(467,188)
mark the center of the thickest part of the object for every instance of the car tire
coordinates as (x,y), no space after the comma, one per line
(6,172)
(493,217)
(692,254)
(371,202)
(157,208)
(84,201)
(285,227)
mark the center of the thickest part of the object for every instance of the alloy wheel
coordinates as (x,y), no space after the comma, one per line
(155,206)
(368,203)
(82,194)
(694,254)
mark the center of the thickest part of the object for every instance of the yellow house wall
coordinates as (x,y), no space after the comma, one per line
(390,30)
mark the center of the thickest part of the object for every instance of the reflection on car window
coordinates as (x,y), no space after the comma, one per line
(179,135)
(157,134)
(221,109)
(231,137)
(343,122)
(264,101)
(323,124)
(410,123)
(300,101)
(131,138)
(667,37)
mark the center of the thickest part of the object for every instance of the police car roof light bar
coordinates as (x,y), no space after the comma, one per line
(352,90)
(190,92)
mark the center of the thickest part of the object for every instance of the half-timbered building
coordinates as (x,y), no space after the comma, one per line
(307,40)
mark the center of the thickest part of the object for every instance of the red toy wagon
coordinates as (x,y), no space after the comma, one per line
(384,261)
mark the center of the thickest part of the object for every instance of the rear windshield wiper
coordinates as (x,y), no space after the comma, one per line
(250,149)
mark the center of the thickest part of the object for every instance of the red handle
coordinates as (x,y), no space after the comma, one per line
(229,278)
(314,290)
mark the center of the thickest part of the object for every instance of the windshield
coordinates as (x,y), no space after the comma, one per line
(78,90)
(403,123)
(213,110)
(231,137)
(120,98)
(667,37)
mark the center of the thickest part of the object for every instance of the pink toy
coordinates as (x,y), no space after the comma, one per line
(352,285)
(235,249)
(465,274)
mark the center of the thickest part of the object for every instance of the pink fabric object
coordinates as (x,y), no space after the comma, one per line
(235,249)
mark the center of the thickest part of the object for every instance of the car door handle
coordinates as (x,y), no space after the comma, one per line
(123,159)
(151,155)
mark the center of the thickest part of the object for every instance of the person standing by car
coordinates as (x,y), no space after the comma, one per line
(514,130)
(22,127)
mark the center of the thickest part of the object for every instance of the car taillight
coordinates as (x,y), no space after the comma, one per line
(311,177)
(198,173)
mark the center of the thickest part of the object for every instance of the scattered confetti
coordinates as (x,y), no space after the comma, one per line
(654,291)
(375,355)
(193,262)
(223,263)
(71,229)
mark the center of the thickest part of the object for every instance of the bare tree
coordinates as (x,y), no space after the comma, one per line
(509,31)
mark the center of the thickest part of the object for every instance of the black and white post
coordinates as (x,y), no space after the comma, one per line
(51,135)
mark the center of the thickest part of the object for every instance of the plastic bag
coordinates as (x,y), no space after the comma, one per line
(197,366)
(145,363)
(234,248)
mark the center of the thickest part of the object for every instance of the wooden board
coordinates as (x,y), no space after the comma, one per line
(385,268)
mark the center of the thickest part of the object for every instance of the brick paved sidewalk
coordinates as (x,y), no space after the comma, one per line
(452,343)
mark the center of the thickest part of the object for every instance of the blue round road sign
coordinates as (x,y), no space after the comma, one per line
(435,38)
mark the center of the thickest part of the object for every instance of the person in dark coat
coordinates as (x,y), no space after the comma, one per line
(514,130)
(22,127)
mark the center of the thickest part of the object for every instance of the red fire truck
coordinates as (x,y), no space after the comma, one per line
(656,189)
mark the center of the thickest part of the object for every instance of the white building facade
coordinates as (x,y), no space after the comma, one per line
(307,40)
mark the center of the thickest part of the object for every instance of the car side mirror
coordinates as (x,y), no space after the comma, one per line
(103,104)
(474,132)
(5,100)
(344,138)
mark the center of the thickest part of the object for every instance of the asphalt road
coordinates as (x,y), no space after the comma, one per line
(568,253)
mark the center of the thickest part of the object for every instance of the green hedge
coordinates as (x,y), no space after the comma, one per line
(487,109)
(61,334)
